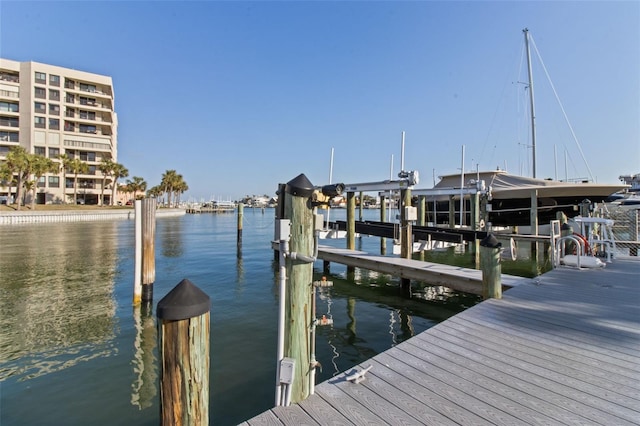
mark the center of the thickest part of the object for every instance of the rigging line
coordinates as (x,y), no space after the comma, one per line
(575,139)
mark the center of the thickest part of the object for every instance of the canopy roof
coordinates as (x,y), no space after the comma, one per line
(504,185)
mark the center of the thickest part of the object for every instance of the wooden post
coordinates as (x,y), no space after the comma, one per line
(491,268)
(183,345)
(148,248)
(361,207)
(533,218)
(452,212)
(351,220)
(422,210)
(383,218)
(475,226)
(406,237)
(137,262)
(239,239)
(299,289)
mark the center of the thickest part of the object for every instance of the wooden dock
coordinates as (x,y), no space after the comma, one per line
(455,277)
(563,348)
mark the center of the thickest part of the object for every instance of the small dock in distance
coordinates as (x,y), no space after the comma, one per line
(563,348)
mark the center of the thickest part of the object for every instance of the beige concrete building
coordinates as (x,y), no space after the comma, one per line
(51,111)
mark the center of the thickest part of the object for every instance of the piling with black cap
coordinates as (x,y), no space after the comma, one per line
(183,344)
(490,249)
(298,209)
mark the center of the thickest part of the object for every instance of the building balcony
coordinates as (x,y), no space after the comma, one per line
(11,78)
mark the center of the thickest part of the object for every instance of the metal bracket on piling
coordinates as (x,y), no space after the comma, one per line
(358,376)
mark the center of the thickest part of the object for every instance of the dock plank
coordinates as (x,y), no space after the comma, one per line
(561,349)
(455,277)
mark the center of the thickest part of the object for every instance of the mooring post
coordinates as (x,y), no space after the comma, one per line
(383,218)
(148,248)
(239,239)
(299,269)
(490,249)
(351,220)
(406,236)
(452,212)
(137,261)
(183,345)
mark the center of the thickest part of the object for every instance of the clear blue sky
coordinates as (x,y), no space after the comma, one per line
(240,96)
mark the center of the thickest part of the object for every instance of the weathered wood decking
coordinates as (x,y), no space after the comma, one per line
(455,277)
(562,349)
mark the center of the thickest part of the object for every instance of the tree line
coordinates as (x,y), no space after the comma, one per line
(24,170)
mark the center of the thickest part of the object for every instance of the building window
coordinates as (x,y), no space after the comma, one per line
(87,115)
(87,87)
(54,80)
(4,150)
(54,109)
(40,122)
(87,101)
(69,127)
(40,93)
(54,182)
(9,107)
(69,98)
(41,78)
(84,128)
(87,156)
(39,107)
(9,121)
(92,169)
(8,136)
(54,152)
(42,182)
(69,183)
(54,124)
(39,150)
(54,94)
(69,84)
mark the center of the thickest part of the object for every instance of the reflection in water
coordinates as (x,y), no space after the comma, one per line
(170,234)
(145,367)
(56,299)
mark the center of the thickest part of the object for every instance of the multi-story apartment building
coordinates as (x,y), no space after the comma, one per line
(50,111)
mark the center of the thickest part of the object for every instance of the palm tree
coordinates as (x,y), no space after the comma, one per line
(77,166)
(118,171)
(65,160)
(137,184)
(155,191)
(106,168)
(169,181)
(181,187)
(39,166)
(17,163)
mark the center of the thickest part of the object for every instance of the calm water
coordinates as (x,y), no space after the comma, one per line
(74,351)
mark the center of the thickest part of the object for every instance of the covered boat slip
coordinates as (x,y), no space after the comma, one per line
(563,348)
(510,200)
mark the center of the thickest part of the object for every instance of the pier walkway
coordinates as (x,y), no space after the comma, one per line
(564,348)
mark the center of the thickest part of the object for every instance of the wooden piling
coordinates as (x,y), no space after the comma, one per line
(137,261)
(298,209)
(351,220)
(406,236)
(491,269)
(183,345)
(148,248)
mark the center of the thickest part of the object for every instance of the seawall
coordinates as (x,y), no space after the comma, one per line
(18,217)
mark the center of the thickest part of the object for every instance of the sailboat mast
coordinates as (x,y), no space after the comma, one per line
(531,102)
